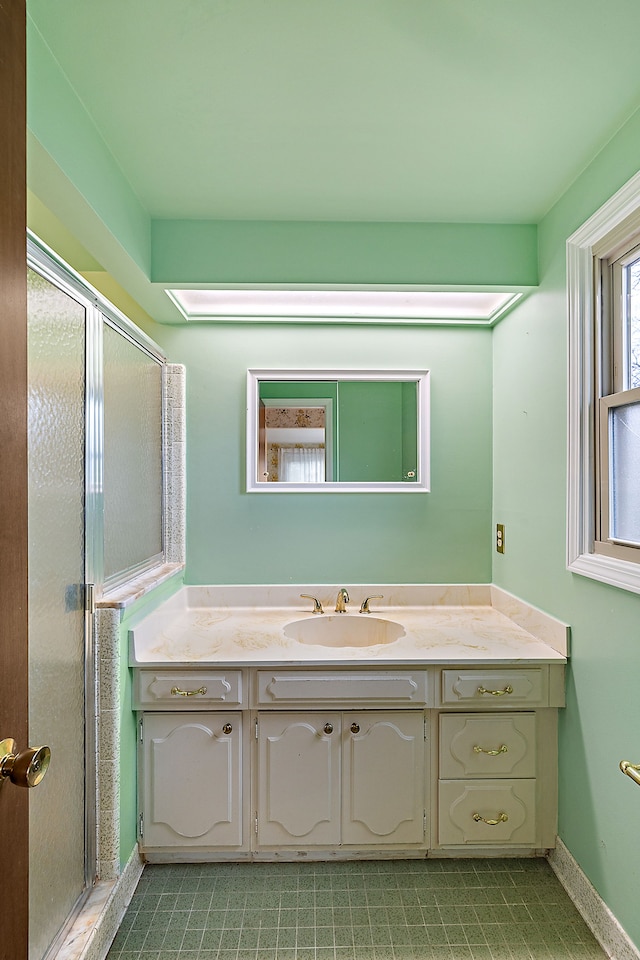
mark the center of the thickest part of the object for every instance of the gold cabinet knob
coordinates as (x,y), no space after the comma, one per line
(26,768)
(328,728)
(227,728)
(355,727)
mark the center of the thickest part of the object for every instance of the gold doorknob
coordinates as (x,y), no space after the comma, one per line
(26,768)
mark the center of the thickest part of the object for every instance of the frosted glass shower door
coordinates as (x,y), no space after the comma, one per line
(57,708)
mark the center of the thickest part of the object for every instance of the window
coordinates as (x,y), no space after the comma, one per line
(603,265)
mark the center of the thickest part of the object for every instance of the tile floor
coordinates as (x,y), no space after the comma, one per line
(355,910)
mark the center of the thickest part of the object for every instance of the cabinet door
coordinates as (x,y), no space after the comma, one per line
(299,779)
(383,776)
(191,780)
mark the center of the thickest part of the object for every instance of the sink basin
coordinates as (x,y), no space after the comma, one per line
(344,631)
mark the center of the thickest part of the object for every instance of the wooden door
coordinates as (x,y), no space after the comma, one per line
(14,811)
(383,778)
(299,779)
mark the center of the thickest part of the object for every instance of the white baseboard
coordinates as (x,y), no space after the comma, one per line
(596,914)
(97,923)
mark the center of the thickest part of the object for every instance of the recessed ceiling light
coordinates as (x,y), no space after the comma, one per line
(353,306)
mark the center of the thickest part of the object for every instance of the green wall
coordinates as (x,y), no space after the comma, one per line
(58,122)
(232,536)
(601,725)
(371,431)
(280,251)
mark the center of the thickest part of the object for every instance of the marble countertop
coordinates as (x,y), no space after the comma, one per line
(185,635)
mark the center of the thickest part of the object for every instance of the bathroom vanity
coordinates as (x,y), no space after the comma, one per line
(254,745)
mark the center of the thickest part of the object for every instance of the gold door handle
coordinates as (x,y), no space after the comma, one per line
(631,769)
(355,727)
(502,818)
(503,748)
(26,768)
(227,728)
(496,693)
(177,692)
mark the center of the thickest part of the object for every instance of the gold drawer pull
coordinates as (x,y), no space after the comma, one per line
(503,748)
(177,692)
(496,693)
(631,769)
(502,818)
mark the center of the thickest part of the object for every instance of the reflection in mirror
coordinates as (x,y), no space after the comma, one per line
(337,430)
(296,444)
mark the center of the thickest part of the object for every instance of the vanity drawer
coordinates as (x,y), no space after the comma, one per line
(341,688)
(487,745)
(187,689)
(497,812)
(495,689)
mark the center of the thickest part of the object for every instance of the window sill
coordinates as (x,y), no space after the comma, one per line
(615,572)
(125,594)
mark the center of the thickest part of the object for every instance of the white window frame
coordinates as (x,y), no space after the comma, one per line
(593,242)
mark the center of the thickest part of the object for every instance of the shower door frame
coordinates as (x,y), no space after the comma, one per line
(44,261)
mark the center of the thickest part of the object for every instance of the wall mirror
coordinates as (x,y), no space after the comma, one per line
(319,431)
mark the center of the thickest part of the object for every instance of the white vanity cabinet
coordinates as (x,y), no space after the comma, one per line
(327,760)
(329,779)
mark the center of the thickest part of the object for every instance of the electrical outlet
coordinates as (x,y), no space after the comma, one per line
(500,537)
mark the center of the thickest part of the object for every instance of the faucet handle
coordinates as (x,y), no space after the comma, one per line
(364,606)
(317,606)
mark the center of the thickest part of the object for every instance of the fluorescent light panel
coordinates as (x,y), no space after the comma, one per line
(352,305)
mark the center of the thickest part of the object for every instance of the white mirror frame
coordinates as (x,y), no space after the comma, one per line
(420,377)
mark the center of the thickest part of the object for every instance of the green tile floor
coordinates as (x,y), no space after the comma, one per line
(355,910)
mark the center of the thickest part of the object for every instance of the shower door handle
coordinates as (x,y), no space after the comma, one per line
(25,768)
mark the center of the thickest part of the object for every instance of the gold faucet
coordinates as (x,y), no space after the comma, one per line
(342,601)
